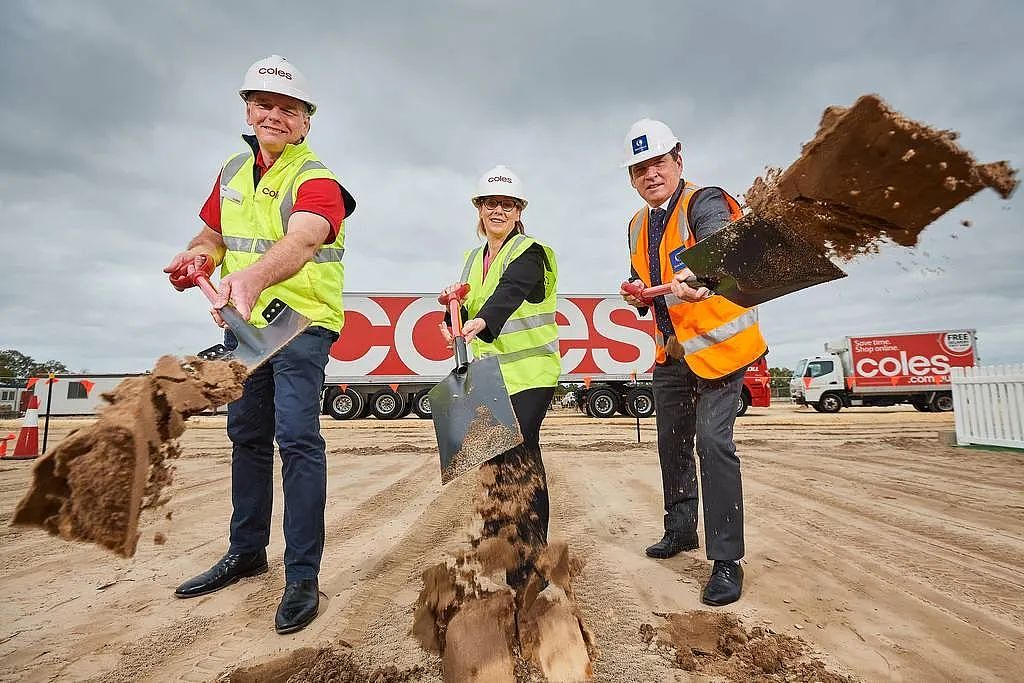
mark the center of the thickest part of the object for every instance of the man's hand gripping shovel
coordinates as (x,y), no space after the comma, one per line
(255,344)
(473,416)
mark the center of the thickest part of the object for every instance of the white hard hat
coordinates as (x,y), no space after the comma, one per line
(647,139)
(500,180)
(276,74)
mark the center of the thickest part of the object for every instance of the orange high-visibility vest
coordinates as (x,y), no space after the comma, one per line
(718,337)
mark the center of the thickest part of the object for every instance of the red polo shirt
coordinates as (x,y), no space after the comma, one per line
(321,196)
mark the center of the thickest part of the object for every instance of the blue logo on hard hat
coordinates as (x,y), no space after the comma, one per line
(640,144)
(675,257)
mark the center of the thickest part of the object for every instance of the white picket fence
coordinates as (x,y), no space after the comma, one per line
(988,405)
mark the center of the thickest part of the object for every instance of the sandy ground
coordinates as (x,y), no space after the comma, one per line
(897,558)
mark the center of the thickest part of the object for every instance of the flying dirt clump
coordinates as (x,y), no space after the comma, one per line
(485,630)
(95,483)
(871,174)
(717,644)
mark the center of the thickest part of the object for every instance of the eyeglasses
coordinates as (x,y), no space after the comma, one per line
(507,205)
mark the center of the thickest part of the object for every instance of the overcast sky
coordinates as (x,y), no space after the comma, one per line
(116,116)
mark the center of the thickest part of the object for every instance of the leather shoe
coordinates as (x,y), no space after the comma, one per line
(725,584)
(298,606)
(673,543)
(227,571)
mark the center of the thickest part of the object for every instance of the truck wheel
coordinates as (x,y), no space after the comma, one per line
(344,405)
(421,404)
(923,407)
(942,403)
(603,402)
(830,403)
(387,405)
(640,403)
(742,402)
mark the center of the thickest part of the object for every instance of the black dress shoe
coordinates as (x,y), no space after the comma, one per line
(227,571)
(298,606)
(725,584)
(673,543)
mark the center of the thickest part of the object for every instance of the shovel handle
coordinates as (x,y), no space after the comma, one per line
(202,280)
(647,294)
(454,303)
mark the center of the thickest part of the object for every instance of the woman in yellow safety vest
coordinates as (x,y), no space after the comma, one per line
(510,314)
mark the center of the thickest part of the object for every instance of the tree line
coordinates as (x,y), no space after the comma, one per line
(16,365)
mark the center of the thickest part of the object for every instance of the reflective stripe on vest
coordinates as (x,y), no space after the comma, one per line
(720,333)
(258,246)
(513,356)
(528,323)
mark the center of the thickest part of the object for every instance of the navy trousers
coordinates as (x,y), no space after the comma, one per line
(282,401)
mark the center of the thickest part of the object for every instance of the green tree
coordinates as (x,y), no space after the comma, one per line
(780,377)
(15,365)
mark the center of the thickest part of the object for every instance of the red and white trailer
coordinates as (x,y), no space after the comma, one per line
(885,369)
(391,353)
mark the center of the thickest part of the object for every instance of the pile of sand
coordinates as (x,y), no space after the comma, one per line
(716,644)
(94,484)
(334,664)
(870,175)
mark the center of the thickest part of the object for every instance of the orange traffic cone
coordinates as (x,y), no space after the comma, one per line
(28,438)
(3,444)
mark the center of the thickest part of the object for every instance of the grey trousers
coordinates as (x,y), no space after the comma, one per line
(689,406)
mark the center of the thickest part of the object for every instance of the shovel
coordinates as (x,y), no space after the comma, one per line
(749,262)
(255,345)
(473,416)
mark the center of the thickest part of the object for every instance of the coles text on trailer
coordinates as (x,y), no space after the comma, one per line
(391,353)
(883,370)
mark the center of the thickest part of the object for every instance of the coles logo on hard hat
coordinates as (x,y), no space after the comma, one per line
(499,179)
(274,71)
(640,144)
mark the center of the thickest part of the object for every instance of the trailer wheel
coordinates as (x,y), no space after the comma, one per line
(387,405)
(421,404)
(585,407)
(923,407)
(408,406)
(742,402)
(942,403)
(603,402)
(830,403)
(344,405)
(640,403)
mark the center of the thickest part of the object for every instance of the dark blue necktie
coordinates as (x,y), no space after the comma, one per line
(655,231)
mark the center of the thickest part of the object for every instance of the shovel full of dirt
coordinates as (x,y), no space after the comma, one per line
(255,345)
(473,416)
(749,262)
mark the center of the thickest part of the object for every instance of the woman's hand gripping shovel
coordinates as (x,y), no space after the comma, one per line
(255,344)
(473,416)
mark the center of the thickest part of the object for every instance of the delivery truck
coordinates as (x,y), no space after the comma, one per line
(391,353)
(884,370)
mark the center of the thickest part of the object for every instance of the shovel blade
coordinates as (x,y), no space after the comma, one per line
(755,260)
(473,418)
(256,345)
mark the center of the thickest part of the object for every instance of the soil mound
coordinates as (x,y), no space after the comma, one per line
(717,644)
(329,664)
(94,484)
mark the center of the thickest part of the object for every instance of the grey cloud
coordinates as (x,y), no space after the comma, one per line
(101,178)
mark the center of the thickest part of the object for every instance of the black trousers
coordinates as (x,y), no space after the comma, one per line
(520,481)
(692,408)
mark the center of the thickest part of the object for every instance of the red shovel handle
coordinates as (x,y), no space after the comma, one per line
(200,278)
(454,302)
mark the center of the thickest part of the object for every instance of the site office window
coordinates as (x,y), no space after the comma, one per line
(77,390)
(6,395)
(818,368)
